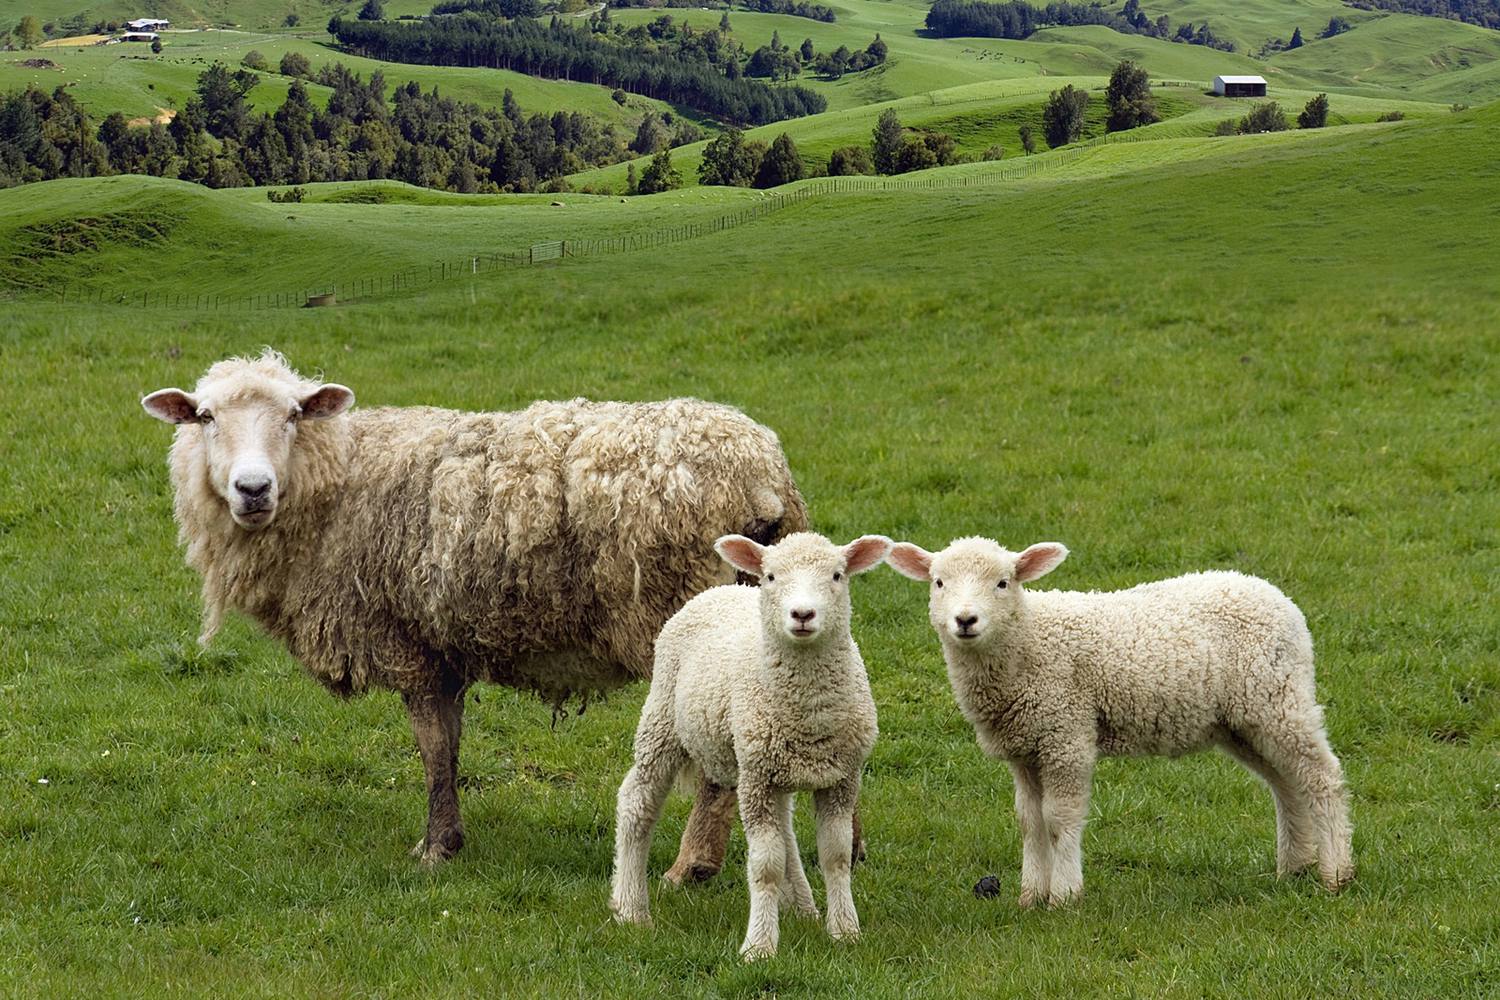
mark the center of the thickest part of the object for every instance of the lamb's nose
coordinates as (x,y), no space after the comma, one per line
(253,487)
(965,622)
(804,616)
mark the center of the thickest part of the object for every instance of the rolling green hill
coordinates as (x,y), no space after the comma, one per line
(1398,52)
(1268,353)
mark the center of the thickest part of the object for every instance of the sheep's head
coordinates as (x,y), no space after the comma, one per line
(804,580)
(246,413)
(975,583)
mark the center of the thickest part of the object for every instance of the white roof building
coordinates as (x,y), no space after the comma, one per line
(1240,86)
(147,24)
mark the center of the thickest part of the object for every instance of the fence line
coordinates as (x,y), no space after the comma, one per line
(557,250)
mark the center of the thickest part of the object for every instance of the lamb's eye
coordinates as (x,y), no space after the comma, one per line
(1002,584)
(770,577)
(938,584)
(205,417)
(837,577)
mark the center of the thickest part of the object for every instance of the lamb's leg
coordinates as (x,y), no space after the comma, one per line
(1065,807)
(437,721)
(1296,833)
(1299,751)
(760,809)
(638,807)
(706,836)
(795,889)
(835,814)
(1036,847)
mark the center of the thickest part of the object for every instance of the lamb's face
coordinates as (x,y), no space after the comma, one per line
(974,585)
(804,581)
(246,422)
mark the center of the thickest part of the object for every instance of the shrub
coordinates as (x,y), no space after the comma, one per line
(1391,116)
(1315,115)
(296,64)
(295,194)
(291,20)
(1267,117)
(619,96)
(1227,127)
(1028,140)
(993,153)
(780,165)
(256,60)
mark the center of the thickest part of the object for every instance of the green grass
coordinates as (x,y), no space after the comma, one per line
(1280,359)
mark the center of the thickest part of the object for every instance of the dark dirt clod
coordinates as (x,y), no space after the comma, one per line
(987,887)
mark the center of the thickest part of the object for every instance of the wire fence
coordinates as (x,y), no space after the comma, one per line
(355,288)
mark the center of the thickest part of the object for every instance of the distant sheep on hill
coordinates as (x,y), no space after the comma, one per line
(1052,680)
(422,550)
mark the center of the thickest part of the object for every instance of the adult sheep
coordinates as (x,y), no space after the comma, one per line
(421,549)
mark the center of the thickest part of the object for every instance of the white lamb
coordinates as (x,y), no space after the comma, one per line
(1051,680)
(761,688)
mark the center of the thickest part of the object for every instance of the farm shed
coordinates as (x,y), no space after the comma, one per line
(1240,86)
(133,36)
(147,24)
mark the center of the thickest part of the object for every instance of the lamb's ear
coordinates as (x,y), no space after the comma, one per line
(172,405)
(328,401)
(911,560)
(865,553)
(744,554)
(1040,559)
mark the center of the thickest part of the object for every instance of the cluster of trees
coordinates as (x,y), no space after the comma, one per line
(1485,13)
(796,8)
(729,160)
(780,62)
(218,140)
(1336,26)
(1268,117)
(1128,96)
(560,51)
(1014,19)
(494,8)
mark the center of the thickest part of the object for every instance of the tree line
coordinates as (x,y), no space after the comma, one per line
(217,140)
(1016,20)
(1485,13)
(681,74)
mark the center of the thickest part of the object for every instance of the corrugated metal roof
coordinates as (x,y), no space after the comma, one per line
(1239,79)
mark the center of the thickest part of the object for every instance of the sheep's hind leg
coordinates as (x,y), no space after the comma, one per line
(760,809)
(795,889)
(1301,754)
(437,721)
(1296,834)
(835,814)
(700,856)
(638,807)
(1036,847)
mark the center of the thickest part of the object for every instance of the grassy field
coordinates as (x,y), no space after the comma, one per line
(1281,360)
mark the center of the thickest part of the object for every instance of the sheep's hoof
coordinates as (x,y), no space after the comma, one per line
(1336,879)
(808,912)
(844,932)
(640,918)
(755,952)
(1062,897)
(1029,898)
(683,874)
(429,856)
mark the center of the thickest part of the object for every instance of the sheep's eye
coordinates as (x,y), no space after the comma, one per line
(205,417)
(837,577)
(770,577)
(1002,584)
(938,584)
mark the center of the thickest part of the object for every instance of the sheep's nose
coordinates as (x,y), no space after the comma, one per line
(253,487)
(965,622)
(804,616)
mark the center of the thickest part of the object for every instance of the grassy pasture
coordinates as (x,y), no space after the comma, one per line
(1201,363)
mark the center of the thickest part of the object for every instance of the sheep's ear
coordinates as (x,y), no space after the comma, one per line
(865,553)
(911,560)
(744,554)
(1040,559)
(172,405)
(328,401)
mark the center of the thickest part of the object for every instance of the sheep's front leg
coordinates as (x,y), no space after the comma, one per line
(835,813)
(1065,806)
(760,809)
(795,889)
(437,721)
(1036,847)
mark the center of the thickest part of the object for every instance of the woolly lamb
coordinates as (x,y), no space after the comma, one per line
(762,688)
(1051,680)
(421,550)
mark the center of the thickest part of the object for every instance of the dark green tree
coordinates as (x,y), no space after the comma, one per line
(1028,141)
(1063,115)
(296,64)
(1296,42)
(781,164)
(885,146)
(1267,117)
(807,51)
(373,10)
(651,136)
(848,160)
(1315,114)
(1129,98)
(659,175)
(156,46)
(730,161)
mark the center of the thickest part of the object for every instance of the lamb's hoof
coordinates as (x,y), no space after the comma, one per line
(638,917)
(1062,897)
(843,931)
(682,874)
(1337,878)
(988,888)
(431,855)
(1030,899)
(755,952)
(808,912)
